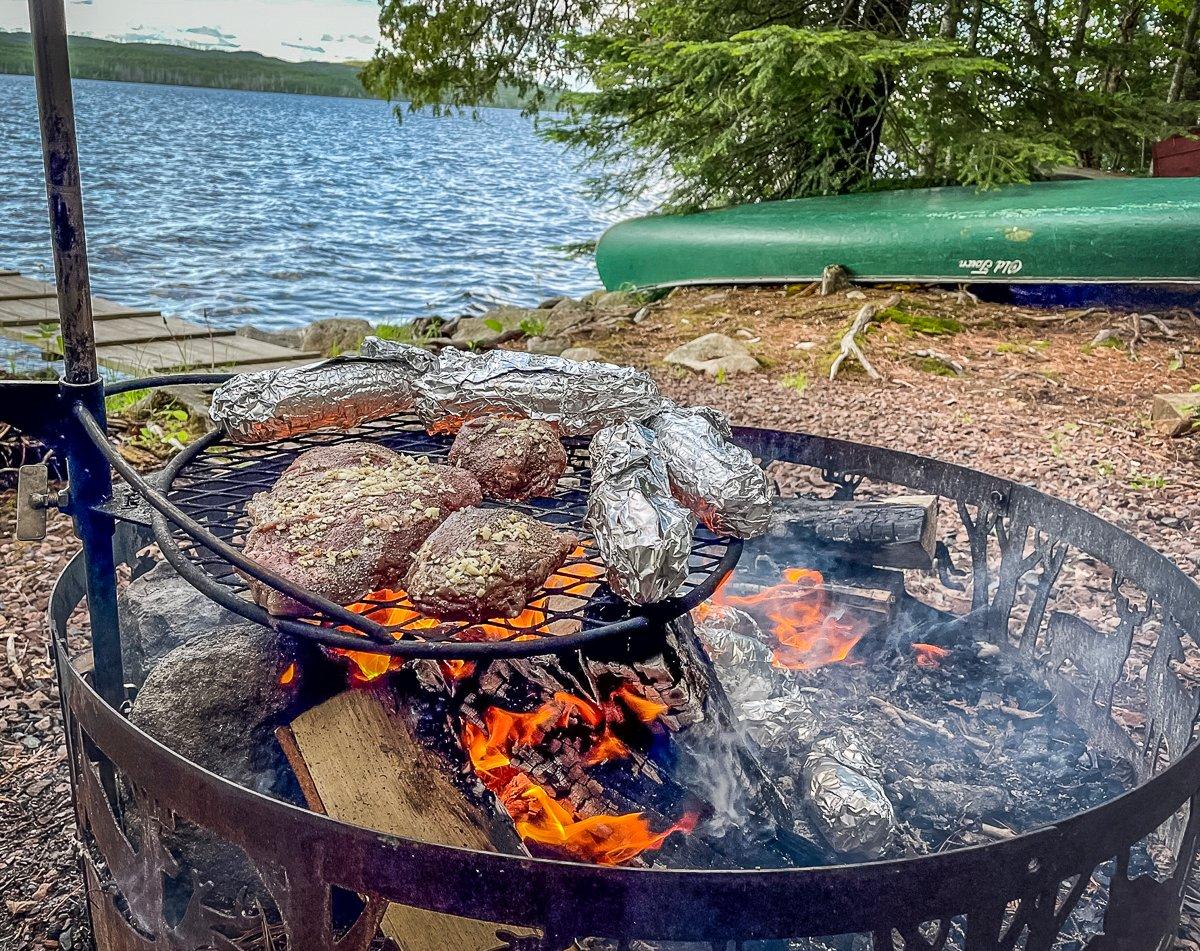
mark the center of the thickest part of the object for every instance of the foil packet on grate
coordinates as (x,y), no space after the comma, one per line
(577,398)
(343,392)
(720,482)
(643,535)
(849,808)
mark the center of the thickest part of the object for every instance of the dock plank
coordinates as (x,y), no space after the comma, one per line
(196,354)
(26,313)
(138,341)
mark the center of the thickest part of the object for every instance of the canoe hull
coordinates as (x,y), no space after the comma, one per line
(1110,231)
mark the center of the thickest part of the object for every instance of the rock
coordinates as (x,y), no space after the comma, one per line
(480,331)
(551,302)
(568,305)
(160,611)
(474,331)
(582,354)
(594,296)
(292,337)
(217,700)
(335,335)
(713,354)
(1176,414)
(194,398)
(551,346)
(617,300)
(855,295)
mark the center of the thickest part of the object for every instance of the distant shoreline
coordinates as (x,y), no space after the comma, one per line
(162,64)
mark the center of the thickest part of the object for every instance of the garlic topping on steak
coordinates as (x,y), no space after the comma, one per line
(484,563)
(345,520)
(512,458)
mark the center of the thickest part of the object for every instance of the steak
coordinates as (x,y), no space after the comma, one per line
(484,563)
(345,520)
(513,459)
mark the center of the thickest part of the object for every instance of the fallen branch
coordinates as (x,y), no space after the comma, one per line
(943,358)
(849,344)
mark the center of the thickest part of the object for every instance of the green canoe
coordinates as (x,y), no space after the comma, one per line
(1133,230)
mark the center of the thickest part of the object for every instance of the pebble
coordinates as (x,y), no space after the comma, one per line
(30,742)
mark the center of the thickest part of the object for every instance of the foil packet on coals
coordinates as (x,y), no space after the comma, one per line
(720,482)
(643,535)
(848,807)
(577,398)
(343,393)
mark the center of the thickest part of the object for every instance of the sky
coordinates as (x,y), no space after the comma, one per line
(290,29)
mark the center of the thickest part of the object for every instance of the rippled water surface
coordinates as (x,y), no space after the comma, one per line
(275,209)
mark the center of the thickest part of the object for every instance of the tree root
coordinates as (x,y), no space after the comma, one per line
(849,345)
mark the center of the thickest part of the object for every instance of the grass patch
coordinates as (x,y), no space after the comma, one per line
(795,381)
(928,324)
(1148,482)
(936,367)
(120,404)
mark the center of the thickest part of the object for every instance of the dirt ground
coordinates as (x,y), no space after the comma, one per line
(1038,401)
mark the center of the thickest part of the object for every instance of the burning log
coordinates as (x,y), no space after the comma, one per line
(660,738)
(899,532)
(359,742)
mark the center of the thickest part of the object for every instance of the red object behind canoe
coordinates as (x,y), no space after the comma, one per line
(1177,157)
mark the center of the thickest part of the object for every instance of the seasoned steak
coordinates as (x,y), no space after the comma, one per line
(346,520)
(512,458)
(484,563)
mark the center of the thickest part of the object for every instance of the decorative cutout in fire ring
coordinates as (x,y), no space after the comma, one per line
(214,479)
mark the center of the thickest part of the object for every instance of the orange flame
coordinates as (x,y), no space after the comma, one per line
(539,816)
(929,656)
(288,675)
(398,610)
(797,614)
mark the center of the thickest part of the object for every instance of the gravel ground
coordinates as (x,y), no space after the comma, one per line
(1036,403)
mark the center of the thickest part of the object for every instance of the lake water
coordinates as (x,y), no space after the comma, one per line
(276,209)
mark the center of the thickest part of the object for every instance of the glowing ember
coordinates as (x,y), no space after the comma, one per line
(807,630)
(288,675)
(539,816)
(929,656)
(391,607)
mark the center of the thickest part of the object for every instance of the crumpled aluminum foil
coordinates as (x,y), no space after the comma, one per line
(343,392)
(643,535)
(418,359)
(848,807)
(577,398)
(732,637)
(720,482)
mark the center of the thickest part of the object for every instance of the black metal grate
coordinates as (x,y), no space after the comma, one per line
(213,481)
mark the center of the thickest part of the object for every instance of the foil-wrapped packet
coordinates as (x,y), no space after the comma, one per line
(731,637)
(848,807)
(720,482)
(418,359)
(643,535)
(577,398)
(343,392)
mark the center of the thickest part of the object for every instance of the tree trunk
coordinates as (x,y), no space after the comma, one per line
(1129,25)
(976,21)
(1186,52)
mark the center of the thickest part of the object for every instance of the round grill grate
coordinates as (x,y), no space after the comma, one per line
(214,478)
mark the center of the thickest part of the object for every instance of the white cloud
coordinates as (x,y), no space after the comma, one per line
(290,29)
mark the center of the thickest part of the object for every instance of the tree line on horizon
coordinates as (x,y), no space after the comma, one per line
(733,101)
(165,64)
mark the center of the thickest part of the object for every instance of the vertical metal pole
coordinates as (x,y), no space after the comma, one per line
(52,70)
(87,470)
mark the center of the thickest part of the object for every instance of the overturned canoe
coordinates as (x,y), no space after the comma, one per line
(1131,230)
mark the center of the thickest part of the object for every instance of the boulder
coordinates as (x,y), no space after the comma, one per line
(582,354)
(292,337)
(551,346)
(551,302)
(618,300)
(1176,414)
(217,700)
(713,354)
(475,331)
(335,335)
(568,305)
(160,611)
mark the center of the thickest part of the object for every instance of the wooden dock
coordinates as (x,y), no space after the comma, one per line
(132,341)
